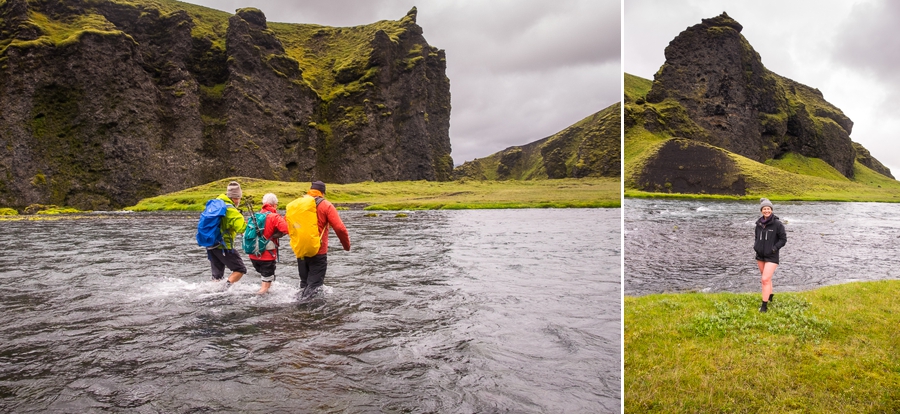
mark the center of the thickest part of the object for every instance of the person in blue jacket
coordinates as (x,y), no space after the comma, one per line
(770,238)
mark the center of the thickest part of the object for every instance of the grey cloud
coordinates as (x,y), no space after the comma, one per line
(495,112)
(340,13)
(519,70)
(869,39)
(539,37)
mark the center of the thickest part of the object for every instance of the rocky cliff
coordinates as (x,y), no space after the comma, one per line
(714,88)
(588,148)
(105,102)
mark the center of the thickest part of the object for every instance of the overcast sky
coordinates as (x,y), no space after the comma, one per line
(520,70)
(848,49)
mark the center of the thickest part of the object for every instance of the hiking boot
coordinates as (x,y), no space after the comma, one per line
(764,308)
(771,295)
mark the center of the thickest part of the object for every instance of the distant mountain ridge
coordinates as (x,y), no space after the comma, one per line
(588,148)
(714,94)
(106,102)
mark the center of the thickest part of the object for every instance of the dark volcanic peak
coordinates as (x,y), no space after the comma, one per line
(722,20)
(730,100)
(105,102)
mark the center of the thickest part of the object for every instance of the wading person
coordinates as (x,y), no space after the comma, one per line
(770,238)
(274,227)
(308,219)
(218,225)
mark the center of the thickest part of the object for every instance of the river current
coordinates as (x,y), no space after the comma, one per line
(440,311)
(707,246)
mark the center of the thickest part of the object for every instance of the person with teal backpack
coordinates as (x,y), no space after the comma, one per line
(261,240)
(216,229)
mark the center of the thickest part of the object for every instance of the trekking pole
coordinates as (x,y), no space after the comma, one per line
(249,206)
(252,215)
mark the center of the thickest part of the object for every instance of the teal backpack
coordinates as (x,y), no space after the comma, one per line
(254,243)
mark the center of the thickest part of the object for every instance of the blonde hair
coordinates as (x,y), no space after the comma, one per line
(270,199)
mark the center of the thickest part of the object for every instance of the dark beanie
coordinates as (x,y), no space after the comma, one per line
(318,185)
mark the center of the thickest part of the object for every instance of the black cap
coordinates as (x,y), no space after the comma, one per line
(318,185)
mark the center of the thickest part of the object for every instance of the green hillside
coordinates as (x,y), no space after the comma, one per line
(588,148)
(792,176)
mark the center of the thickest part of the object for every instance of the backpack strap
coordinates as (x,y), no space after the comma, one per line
(319,200)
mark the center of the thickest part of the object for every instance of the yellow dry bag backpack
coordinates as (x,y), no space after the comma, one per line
(303,226)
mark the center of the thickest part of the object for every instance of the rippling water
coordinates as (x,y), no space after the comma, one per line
(677,245)
(442,311)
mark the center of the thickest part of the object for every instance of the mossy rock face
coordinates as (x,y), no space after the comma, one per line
(865,158)
(715,79)
(105,103)
(691,167)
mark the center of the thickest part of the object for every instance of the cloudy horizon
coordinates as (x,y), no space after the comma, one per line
(839,47)
(519,70)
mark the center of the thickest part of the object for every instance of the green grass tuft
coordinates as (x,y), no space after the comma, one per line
(59,210)
(736,317)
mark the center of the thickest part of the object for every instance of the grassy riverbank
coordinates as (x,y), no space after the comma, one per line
(794,179)
(828,350)
(412,195)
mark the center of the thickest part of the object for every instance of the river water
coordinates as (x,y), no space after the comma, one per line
(707,246)
(441,311)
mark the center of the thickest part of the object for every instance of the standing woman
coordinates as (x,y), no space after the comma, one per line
(770,238)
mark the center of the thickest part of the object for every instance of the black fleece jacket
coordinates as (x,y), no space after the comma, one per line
(770,238)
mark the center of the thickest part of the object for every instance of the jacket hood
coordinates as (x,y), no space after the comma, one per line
(268,208)
(227,200)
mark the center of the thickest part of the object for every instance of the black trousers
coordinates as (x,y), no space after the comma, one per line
(219,259)
(312,271)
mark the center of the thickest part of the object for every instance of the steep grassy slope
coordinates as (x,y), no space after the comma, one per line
(791,176)
(589,148)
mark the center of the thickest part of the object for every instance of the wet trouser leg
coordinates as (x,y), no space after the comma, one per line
(219,259)
(312,272)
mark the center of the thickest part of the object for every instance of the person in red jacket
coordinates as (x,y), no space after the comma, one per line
(275,228)
(312,269)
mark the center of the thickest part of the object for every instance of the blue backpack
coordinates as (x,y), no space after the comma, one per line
(254,242)
(209,228)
